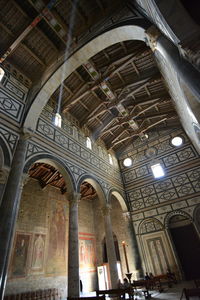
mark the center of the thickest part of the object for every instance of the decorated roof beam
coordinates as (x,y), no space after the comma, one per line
(27,30)
(129,119)
(144,77)
(116,142)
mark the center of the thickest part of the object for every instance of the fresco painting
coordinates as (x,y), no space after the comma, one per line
(56,259)
(38,252)
(87,258)
(20,255)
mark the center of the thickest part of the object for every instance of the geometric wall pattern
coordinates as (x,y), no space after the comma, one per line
(59,137)
(175,187)
(172,159)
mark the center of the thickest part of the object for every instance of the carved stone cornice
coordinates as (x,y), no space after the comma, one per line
(152,34)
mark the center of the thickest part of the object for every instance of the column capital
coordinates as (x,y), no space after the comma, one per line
(106,210)
(25,134)
(74,197)
(127,215)
(152,34)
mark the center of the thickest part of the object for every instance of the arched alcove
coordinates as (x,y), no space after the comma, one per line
(119,197)
(186,243)
(57,164)
(42,225)
(155,247)
(96,185)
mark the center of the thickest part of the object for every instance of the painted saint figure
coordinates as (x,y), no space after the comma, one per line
(38,253)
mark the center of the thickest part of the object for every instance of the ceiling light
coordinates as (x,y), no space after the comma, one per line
(127,162)
(177,141)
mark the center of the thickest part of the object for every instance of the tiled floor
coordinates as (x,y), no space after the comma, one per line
(173,293)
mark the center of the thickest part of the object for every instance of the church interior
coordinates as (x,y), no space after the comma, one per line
(99,144)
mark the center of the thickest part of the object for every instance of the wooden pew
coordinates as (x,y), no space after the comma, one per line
(190,293)
(166,278)
(144,285)
(120,293)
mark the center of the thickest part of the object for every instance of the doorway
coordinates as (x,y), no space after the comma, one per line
(187,245)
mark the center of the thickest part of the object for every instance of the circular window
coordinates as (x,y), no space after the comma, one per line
(127,162)
(177,141)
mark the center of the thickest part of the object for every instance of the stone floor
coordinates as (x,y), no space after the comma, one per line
(173,293)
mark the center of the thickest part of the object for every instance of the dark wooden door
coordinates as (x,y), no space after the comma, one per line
(187,244)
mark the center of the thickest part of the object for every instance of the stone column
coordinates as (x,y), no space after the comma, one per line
(3,179)
(9,208)
(110,247)
(186,71)
(73,247)
(136,254)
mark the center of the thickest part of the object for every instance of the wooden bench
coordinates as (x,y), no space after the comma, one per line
(166,278)
(190,293)
(120,293)
(143,285)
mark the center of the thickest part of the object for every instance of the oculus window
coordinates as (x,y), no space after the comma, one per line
(127,162)
(177,141)
(157,170)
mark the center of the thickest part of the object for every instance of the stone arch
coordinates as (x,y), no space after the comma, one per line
(5,152)
(174,213)
(119,197)
(96,185)
(58,164)
(149,225)
(196,217)
(106,39)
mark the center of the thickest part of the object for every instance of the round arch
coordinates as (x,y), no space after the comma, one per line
(96,185)
(196,217)
(111,37)
(175,213)
(150,225)
(119,197)
(58,164)
(6,155)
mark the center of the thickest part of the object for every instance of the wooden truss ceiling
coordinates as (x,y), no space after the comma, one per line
(131,75)
(34,34)
(48,175)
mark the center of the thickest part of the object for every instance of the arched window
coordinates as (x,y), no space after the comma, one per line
(2,72)
(88,143)
(110,159)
